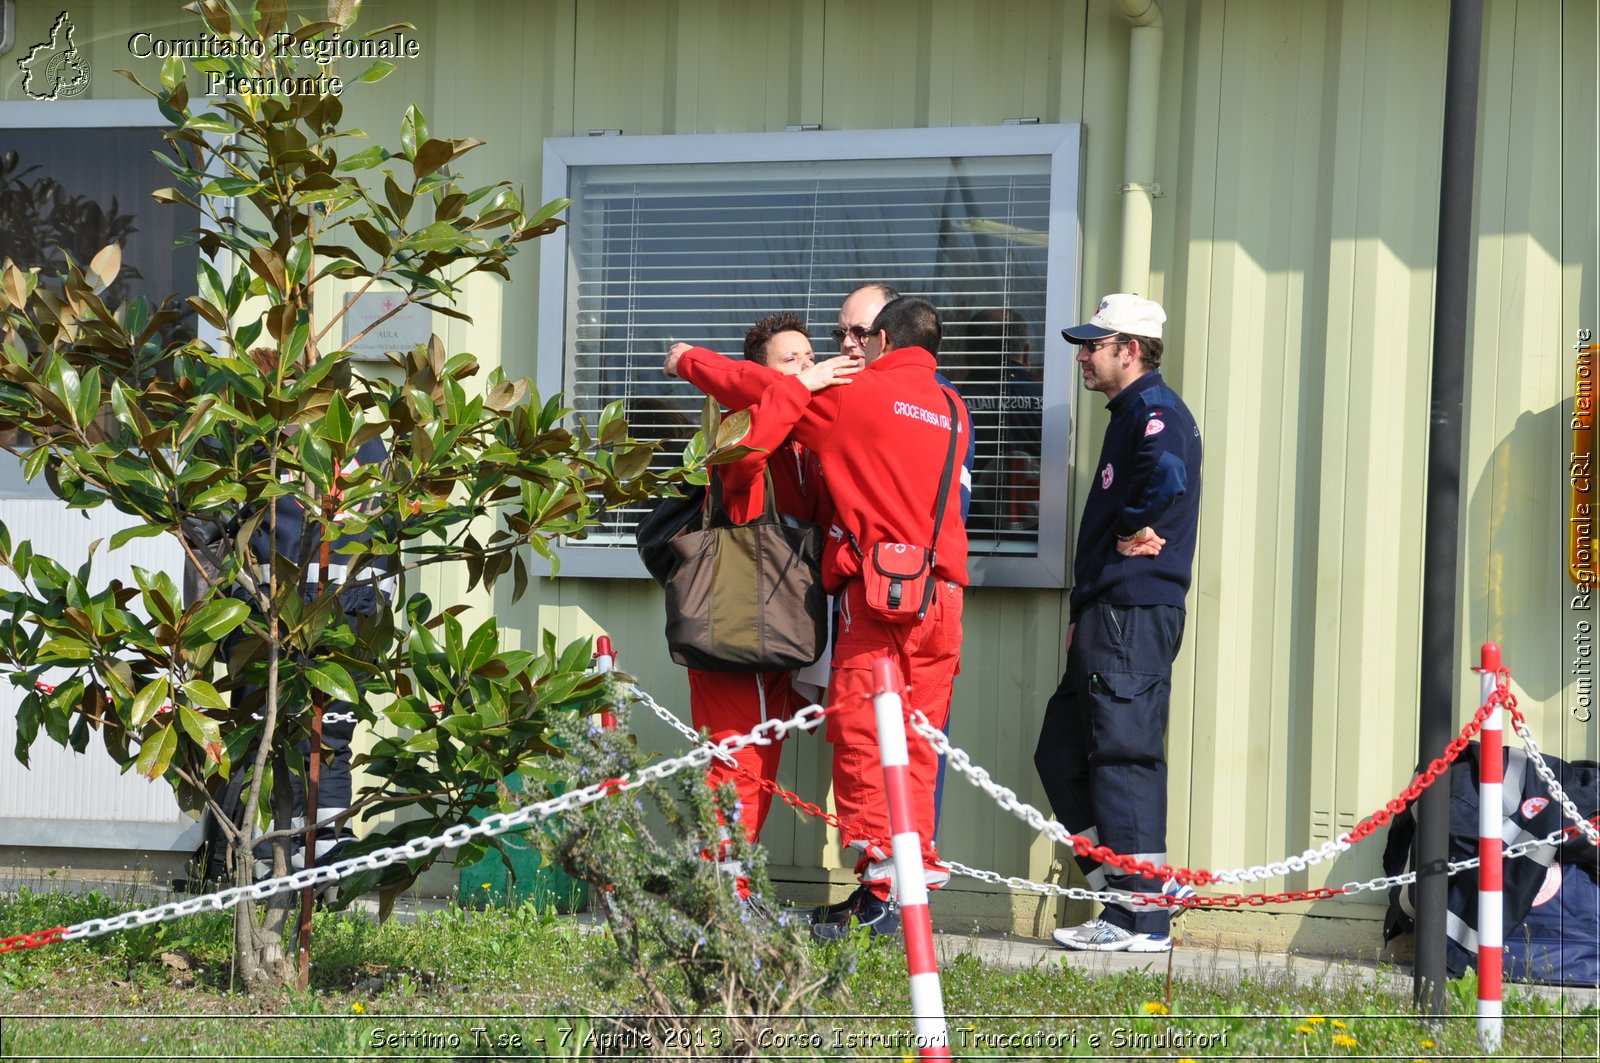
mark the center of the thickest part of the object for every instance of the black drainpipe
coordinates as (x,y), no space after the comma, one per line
(1436,714)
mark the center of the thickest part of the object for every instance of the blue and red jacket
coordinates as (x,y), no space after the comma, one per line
(1148,476)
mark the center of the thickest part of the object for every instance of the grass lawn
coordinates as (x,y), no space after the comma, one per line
(509,984)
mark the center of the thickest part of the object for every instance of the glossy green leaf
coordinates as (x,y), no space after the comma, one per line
(137,531)
(331,678)
(155,755)
(413,130)
(149,701)
(214,620)
(204,695)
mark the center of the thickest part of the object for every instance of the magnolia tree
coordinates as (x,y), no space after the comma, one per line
(203,441)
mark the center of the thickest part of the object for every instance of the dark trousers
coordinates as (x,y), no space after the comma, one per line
(1101,752)
(333,779)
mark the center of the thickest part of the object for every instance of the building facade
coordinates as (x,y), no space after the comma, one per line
(1293,223)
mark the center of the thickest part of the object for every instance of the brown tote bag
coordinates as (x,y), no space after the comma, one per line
(746,597)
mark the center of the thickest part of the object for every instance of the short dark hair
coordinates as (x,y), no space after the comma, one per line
(755,341)
(1150,348)
(912,322)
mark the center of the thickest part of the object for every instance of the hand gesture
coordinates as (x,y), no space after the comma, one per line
(670,366)
(827,374)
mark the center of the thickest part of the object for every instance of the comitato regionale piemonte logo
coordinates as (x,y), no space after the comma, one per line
(55,69)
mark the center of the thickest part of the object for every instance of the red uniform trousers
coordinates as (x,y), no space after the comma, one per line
(928,657)
(733,703)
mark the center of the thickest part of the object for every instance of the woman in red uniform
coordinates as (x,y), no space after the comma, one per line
(730,703)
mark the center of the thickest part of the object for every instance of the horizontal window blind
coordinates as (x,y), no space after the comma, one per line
(697,252)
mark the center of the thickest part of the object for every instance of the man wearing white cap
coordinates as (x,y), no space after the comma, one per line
(1101,752)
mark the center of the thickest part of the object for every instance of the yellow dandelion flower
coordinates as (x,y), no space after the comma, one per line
(1337,1025)
(1154,1007)
(358,1007)
(1344,1040)
(1302,1028)
(1185,1059)
(1315,1020)
(1428,1044)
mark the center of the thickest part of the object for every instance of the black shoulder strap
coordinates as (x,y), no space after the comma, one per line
(944,477)
(938,509)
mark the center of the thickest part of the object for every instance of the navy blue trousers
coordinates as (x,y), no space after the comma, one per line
(1102,747)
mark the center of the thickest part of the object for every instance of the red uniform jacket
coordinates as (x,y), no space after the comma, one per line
(882,441)
(796,475)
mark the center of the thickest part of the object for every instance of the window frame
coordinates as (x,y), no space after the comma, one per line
(1061,143)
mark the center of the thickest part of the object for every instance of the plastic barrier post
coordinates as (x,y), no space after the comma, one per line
(604,661)
(927,1000)
(1491,907)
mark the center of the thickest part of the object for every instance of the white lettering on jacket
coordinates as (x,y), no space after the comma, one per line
(917,413)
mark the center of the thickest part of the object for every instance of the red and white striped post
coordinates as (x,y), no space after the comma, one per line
(927,1001)
(1491,816)
(604,661)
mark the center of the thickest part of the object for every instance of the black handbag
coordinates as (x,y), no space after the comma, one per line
(661,524)
(746,597)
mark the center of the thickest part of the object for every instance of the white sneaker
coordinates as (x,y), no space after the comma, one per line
(1097,935)
(1178,891)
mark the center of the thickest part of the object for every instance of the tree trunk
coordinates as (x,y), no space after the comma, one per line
(258,933)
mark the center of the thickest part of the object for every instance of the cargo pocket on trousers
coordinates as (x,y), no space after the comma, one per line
(1130,715)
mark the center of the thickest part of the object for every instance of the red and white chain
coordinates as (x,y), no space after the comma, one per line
(1551,784)
(793,800)
(1007,799)
(493,824)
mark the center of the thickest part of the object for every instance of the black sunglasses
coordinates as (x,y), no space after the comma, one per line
(860,332)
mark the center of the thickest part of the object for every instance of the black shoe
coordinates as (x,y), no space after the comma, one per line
(834,913)
(881,918)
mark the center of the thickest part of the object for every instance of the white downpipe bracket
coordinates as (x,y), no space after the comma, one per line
(1139,162)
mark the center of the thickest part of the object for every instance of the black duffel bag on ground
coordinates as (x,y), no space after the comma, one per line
(746,597)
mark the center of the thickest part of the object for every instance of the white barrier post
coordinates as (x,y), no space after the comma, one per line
(927,1001)
(1491,816)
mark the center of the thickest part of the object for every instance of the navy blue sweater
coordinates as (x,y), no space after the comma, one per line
(1148,474)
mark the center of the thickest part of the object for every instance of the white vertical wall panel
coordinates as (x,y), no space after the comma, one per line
(65,798)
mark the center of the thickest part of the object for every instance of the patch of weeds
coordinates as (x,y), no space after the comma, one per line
(683,941)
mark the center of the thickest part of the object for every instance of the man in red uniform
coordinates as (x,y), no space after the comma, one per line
(883,442)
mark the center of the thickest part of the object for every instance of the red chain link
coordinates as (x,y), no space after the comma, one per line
(801,805)
(1502,696)
(32,941)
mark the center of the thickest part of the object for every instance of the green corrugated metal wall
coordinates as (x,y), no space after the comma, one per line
(1298,154)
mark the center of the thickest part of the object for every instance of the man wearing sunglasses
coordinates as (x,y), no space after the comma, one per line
(886,439)
(856,315)
(1101,752)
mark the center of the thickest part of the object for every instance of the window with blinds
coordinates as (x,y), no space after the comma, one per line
(694,238)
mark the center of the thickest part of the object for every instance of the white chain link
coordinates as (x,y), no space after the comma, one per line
(765,733)
(488,826)
(1556,792)
(666,715)
(1007,799)
(327,717)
